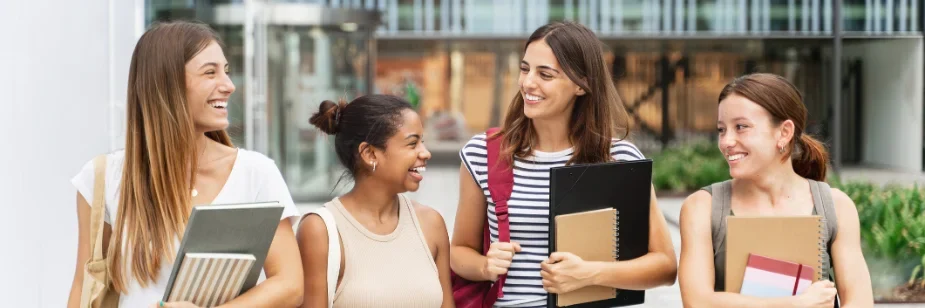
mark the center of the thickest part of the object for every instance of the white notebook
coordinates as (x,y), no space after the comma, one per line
(211,279)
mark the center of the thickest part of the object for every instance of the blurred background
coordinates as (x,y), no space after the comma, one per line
(859,64)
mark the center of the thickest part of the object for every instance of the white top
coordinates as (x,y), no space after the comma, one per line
(254,178)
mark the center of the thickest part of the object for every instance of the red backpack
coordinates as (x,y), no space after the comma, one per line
(484,294)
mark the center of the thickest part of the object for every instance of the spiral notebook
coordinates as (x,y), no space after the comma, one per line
(211,279)
(769,277)
(616,196)
(796,239)
(592,236)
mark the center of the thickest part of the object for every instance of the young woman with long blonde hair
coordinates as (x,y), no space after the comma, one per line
(177,155)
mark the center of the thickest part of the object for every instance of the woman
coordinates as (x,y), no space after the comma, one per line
(177,155)
(395,251)
(567,112)
(774,167)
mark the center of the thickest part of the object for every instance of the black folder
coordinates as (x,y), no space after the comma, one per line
(624,186)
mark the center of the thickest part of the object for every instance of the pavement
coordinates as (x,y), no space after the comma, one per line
(440,190)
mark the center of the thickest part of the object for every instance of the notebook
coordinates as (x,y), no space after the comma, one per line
(797,239)
(769,277)
(624,186)
(246,228)
(211,279)
(591,235)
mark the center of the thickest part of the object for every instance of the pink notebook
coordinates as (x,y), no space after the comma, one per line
(767,277)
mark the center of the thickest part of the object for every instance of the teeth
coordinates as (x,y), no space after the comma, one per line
(532,97)
(419,169)
(219,104)
(736,157)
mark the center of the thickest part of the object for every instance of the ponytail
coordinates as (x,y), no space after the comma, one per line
(812,160)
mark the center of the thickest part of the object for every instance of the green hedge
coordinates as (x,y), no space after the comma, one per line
(892,221)
(688,168)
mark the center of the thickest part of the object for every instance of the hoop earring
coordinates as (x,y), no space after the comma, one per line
(782,150)
(374,166)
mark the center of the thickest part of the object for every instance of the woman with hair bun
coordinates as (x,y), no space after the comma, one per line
(395,250)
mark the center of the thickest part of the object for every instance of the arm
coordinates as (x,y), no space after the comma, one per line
(852,277)
(564,272)
(434,228)
(283,286)
(696,275)
(313,244)
(466,258)
(83,251)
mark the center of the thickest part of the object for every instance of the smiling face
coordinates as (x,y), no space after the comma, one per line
(749,137)
(404,159)
(208,89)
(546,89)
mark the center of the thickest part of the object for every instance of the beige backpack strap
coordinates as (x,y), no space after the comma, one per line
(98,208)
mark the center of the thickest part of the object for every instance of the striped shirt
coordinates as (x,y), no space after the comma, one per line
(528,211)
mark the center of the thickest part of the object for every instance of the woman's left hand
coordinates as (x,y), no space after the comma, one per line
(173,305)
(565,272)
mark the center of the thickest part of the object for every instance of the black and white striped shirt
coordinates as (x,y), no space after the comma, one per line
(528,212)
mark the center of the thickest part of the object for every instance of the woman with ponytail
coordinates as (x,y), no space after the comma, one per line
(777,170)
(393,251)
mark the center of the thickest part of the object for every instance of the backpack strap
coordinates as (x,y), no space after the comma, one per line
(333,249)
(98,209)
(722,194)
(500,185)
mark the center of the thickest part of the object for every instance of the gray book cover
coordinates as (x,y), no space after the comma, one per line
(246,228)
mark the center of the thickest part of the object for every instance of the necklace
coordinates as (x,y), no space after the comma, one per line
(196,192)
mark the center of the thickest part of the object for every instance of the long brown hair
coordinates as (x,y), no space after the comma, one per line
(784,102)
(160,163)
(600,111)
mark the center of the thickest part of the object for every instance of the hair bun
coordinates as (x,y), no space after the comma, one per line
(327,119)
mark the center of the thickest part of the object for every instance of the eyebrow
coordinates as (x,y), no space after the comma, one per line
(413,136)
(735,119)
(212,64)
(541,66)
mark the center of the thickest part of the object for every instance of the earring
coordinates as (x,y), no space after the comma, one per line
(374,166)
(782,149)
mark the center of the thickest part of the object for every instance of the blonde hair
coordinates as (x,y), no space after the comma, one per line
(155,195)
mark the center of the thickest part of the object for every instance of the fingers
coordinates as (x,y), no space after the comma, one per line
(505,246)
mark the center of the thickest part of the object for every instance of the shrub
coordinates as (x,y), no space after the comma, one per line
(688,168)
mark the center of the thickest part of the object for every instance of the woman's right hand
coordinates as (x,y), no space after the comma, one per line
(499,257)
(820,294)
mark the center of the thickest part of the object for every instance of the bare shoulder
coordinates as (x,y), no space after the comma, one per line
(844,207)
(312,230)
(696,202)
(431,219)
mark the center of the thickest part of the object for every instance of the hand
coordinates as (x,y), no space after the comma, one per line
(819,294)
(173,305)
(500,255)
(565,272)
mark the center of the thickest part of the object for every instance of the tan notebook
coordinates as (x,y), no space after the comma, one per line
(211,279)
(797,239)
(592,236)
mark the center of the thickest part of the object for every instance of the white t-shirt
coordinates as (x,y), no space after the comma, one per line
(254,178)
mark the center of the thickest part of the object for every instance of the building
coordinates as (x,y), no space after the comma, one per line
(458,61)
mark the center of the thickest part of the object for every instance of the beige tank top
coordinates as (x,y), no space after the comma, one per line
(392,270)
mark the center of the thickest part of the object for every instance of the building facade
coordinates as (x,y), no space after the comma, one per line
(457,62)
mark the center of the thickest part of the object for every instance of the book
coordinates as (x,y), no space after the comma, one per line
(797,239)
(211,279)
(246,228)
(624,187)
(591,235)
(769,277)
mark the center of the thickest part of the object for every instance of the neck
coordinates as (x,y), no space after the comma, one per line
(368,198)
(772,184)
(552,135)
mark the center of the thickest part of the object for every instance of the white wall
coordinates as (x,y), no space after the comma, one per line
(57,91)
(893,102)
